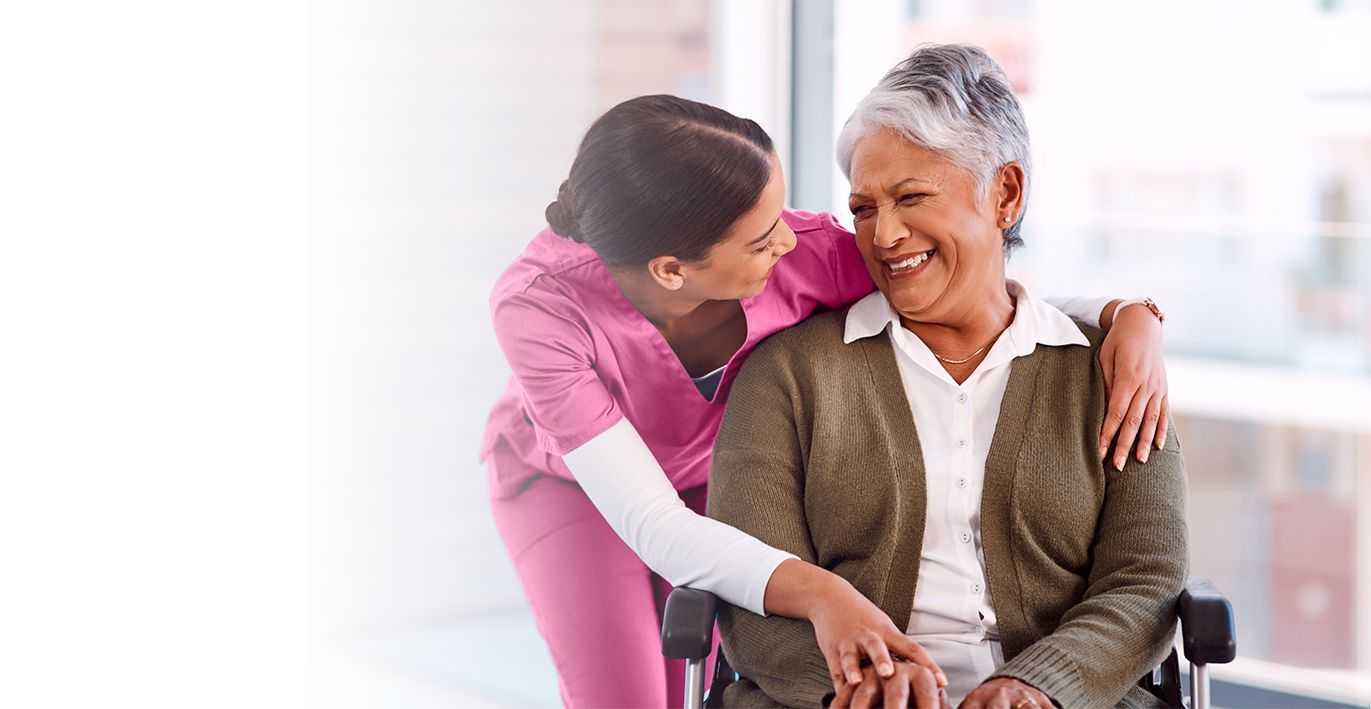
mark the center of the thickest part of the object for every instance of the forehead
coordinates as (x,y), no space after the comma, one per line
(758,220)
(886,158)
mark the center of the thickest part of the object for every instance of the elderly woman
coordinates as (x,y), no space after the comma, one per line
(935,443)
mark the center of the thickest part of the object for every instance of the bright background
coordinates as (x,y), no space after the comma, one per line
(247,251)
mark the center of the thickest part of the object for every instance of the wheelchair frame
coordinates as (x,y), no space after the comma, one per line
(1208,634)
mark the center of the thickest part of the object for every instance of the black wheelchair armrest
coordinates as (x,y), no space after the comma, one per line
(688,623)
(1208,631)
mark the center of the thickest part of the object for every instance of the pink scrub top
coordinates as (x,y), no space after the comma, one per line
(584,357)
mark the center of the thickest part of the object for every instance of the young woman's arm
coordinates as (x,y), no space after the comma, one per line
(620,475)
(1134,375)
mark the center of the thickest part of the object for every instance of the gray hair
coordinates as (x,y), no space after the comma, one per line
(954,100)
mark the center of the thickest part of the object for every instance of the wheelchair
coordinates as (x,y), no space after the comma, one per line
(1208,636)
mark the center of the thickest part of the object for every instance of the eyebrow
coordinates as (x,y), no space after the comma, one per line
(896,186)
(761,238)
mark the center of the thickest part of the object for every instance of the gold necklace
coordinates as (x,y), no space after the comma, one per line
(960,361)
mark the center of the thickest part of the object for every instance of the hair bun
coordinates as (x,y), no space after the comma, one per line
(561,214)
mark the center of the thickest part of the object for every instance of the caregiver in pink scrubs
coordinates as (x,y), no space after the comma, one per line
(670,256)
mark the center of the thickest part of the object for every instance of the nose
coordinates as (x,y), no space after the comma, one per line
(889,231)
(786,243)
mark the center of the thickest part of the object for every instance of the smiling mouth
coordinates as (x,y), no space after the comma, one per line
(909,265)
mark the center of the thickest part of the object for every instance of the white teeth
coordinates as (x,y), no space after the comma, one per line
(911,262)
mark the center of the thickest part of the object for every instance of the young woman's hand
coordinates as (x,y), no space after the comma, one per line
(908,686)
(1135,380)
(849,627)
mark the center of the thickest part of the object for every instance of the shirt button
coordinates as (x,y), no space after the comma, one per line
(961,443)
(962,482)
(961,398)
(975,588)
(966,537)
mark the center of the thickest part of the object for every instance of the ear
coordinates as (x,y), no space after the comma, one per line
(1009,194)
(667,271)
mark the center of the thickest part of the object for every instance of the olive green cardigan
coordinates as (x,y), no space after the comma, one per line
(818,455)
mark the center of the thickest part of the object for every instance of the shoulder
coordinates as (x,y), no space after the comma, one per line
(552,276)
(1069,380)
(819,230)
(812,343)
(548,264)
(800,220)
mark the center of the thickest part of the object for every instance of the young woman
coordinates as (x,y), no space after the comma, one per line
(670,256)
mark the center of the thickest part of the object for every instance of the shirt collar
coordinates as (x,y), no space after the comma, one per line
(1035,322)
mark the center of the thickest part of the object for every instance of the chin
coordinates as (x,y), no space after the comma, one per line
(755,290)
(912,303)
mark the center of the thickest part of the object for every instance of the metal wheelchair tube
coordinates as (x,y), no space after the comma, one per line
(1199,686)
(695,683)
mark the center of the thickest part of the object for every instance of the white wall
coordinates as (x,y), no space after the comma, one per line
(440,131)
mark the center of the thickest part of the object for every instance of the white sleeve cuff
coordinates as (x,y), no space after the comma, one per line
(626,484)
(754,598)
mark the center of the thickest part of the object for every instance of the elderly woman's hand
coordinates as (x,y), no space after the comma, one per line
(1135,380)
(1006,692)
(909,685)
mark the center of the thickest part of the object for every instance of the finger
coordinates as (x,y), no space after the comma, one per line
(1113,419)
(1162,425)
(835,668)
(844,697)
(865,695)
(850,662)
(1132,421)
(1148,433)
(915,653)
(925,688)
(1025,699)
(999,700)
(880,656)
(896,691)
(943,701)
(1107,364)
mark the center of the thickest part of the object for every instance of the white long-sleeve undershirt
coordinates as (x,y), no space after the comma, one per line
(624,481)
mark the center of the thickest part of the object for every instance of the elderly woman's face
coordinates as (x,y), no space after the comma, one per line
(931,244)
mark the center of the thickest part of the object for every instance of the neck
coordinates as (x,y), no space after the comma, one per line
(660,306)
(968,328)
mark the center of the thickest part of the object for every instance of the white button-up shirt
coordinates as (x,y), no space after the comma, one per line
(952,616)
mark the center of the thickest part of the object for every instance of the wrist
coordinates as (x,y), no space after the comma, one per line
(1144,304)
(799,589)
(1111,309)
(826,591)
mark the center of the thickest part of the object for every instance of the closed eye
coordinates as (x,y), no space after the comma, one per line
(912,198)
(765,245)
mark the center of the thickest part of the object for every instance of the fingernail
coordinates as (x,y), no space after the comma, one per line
(1118,465)
(887,670)
(942,680)
(1143,457)
(854,678)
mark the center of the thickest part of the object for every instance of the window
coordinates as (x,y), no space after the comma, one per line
(1217,160)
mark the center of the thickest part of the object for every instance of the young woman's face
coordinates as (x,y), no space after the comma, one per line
(739,266)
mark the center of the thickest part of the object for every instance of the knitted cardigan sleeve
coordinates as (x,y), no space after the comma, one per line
(757,485)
